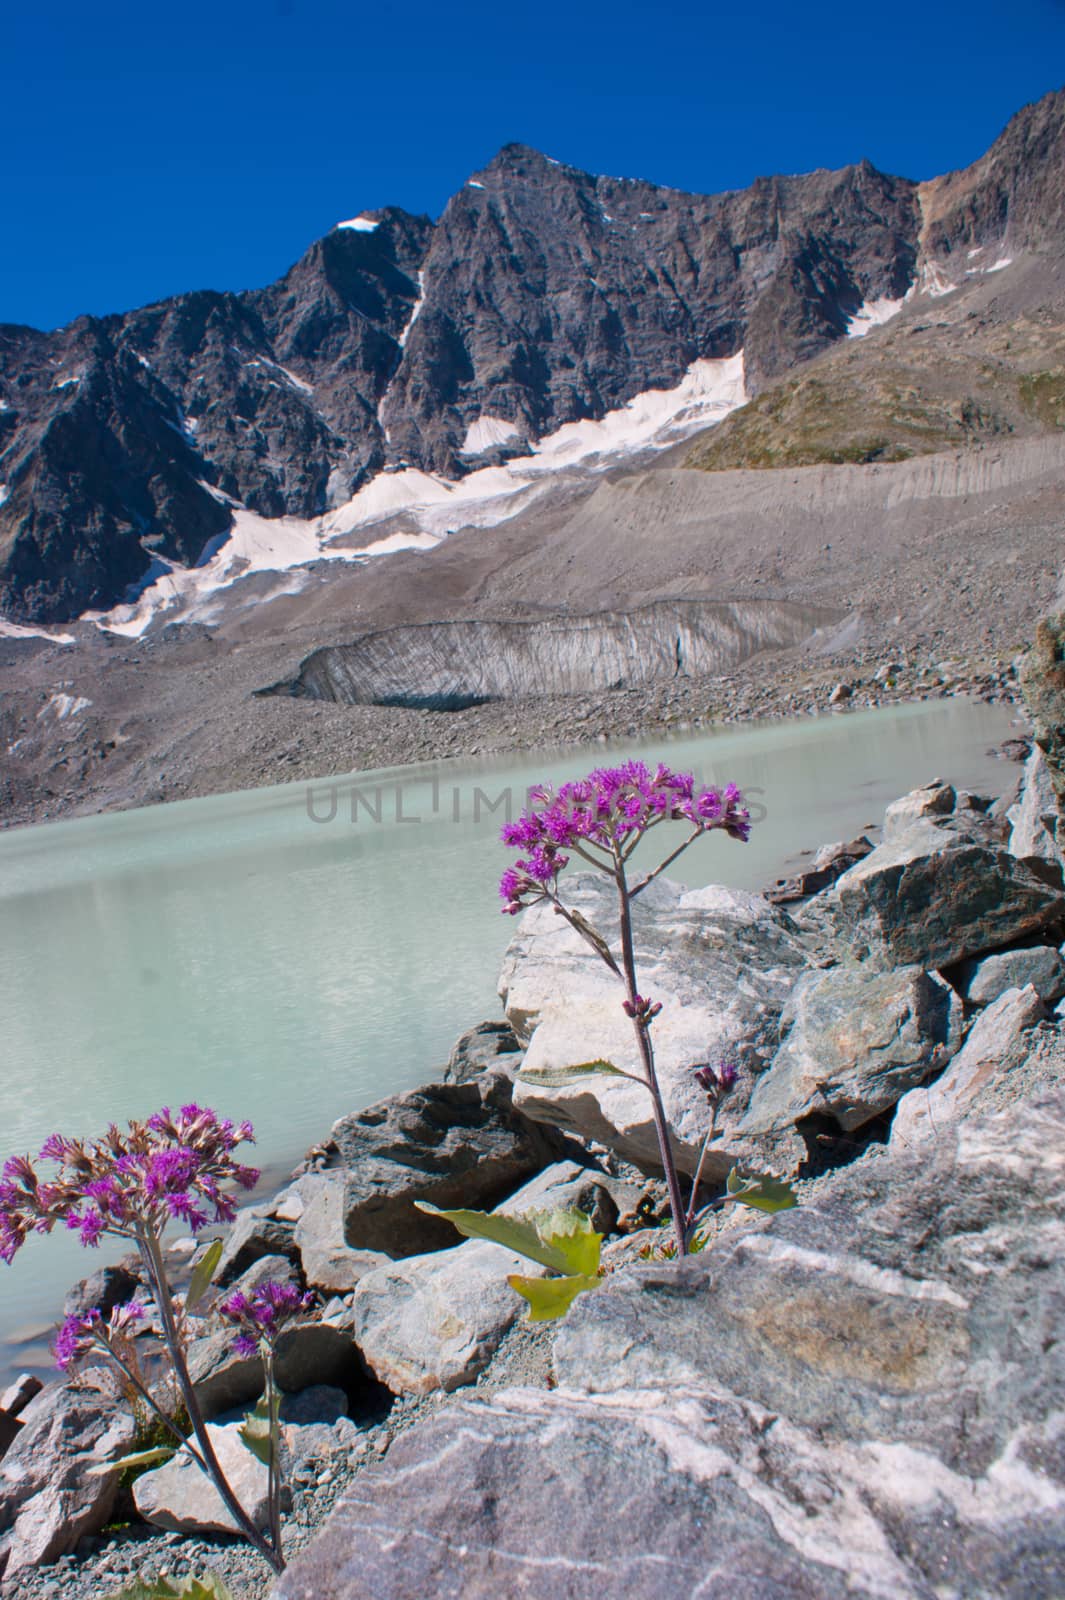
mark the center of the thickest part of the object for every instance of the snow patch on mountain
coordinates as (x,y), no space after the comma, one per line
(360,225)
(429,507)
(17,630)
(873,314)
(485,434)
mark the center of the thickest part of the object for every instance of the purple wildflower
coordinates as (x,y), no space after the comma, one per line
(128,1183)
(262,1314)
(608,811)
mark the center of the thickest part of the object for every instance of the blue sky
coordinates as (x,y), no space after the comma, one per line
(153,149)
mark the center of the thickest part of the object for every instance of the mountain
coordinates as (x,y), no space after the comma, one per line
(542,296)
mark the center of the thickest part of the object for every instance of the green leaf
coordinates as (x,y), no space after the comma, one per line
(572,1235)
(513,1233)
(210,1587)
(764,1194)
(258,1426)
(562,1241)
(550,1298)
(140,1458)
(203,1274)
(558,1077)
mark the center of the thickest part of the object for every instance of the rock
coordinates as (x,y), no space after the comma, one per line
(860,1398)
(17,1396)
(840,693)
(449,1143)
(103,1290)
(257,1232)
(489,1046)
(888,1306)
(307,1353)
(1034,821)
(268,1269)
(830,862)
(434,1321)
(49,1497)
(180,1497)
(10,1428)
(935,799)
(856,1041)
(996,1044)
(328,1263)
(722,963)
(1041,965)
(933,895)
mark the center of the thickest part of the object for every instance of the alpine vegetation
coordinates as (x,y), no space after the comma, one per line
(602,819)
(130,1186)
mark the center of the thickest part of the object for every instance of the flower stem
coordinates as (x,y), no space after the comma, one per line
(689,1215)
(168,1422)
(153,1262)
(643,1039)
(275,1452)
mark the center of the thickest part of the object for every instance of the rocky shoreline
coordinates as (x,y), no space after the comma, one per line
(875,1363)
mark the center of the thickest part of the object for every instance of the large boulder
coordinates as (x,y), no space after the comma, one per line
(722,963)
(434,1321)
(104,1289)
(449,1143)
(489,1046)
(997,1044)
(1043,686)
(50,1493)
(181,1498)
(856,1041)
(907,1302)
(859,1399)
(933,894)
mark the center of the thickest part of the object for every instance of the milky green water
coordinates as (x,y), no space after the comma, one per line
(290,954)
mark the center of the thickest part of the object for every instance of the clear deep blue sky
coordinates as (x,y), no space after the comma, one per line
(149,149)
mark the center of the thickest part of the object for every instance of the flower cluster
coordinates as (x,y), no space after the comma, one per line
(262,1314)
(81,1334)
(716,1081)
(171,1167)
(608,812)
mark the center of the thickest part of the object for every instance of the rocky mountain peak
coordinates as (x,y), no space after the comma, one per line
(543,295)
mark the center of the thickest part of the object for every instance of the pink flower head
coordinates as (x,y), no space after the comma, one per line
(262,1314)
(126,1183)
(608,811)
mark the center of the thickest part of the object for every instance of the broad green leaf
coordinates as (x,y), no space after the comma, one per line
(572,1234)
(550,1298)
(513,1233)
(140,1458)
(210,1587)
(559,1077)
(764,1194)
(203,1273)
(594,938)
(256,1428)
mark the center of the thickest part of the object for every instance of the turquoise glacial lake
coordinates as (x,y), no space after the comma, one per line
(295,953)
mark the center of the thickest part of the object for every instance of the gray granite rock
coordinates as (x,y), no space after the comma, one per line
(906,1301)
(180,1497)
(49,1495)
(329,1263)
(722,963)
(934,894)
(449,1143)
(1040,965)
(255,1233)
(855,1042)
(997,1044)
(434,1321)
